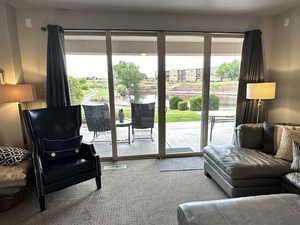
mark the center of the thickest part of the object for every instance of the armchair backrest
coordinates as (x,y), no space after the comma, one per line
(97,117)
(142,115)
(53,124)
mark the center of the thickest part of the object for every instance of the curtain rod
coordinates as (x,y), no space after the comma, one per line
(145,30)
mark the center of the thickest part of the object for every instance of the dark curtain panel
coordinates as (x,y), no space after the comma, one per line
(252,71)
(57,81)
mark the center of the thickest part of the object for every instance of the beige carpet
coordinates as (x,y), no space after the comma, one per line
(138,195)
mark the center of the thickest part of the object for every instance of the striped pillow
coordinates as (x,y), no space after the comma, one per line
(295,166)
(285,150)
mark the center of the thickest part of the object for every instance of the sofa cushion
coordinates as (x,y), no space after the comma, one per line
(295,166)
(293,178)
(58,171)
(268,138)
(12,156)
(242,163)
(285,150)
(250,135)
(278,129)
(58,150)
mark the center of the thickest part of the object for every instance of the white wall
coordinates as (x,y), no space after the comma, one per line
(10,127)
(285,68)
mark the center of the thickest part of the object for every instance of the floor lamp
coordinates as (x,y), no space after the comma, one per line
(19,93)
(260,92)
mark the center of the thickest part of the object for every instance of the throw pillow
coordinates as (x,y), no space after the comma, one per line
(295,166)
(268,138)
(278,129)
(285,150)
(12,156)
(250,136)
(54,150)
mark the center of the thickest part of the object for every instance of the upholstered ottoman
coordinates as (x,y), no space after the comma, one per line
(279,209)
(13,180)
(244,172)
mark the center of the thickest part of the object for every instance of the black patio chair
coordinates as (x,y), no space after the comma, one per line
(97,118)
(60,159)
(142,116)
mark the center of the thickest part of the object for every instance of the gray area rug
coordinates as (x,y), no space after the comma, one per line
(178,150)
(179,164)
(137,195)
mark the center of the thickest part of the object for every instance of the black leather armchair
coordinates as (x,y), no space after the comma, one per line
(59,124)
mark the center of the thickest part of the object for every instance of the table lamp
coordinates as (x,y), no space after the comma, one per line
(19,93)
(260,91)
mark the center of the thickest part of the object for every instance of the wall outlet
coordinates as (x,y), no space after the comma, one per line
(28,23)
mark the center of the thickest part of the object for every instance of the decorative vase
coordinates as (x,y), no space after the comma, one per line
(121,115)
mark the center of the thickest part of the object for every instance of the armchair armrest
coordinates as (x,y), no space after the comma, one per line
(88,151)
(249,136)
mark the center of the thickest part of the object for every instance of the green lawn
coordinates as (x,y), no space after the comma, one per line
(214,84)
(173,116)
(224,83)
(102,93)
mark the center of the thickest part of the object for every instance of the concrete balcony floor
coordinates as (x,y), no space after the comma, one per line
(179,135)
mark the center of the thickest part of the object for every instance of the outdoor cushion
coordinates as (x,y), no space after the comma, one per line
(242,163)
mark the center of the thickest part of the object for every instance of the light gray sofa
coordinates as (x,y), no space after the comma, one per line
(280,209)
(248,167)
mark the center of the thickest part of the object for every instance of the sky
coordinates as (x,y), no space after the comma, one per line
(95,65)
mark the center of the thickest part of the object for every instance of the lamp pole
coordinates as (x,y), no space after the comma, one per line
(259,105)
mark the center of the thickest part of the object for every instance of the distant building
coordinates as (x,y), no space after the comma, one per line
(189,75)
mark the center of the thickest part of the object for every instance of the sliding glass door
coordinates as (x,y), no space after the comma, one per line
(184,73)
(86,62)
(154,94)
(224,73)
(134,60)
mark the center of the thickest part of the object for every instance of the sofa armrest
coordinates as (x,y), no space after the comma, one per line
(249,136)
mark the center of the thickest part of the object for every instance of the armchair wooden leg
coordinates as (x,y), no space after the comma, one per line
(42,203)
(98,182)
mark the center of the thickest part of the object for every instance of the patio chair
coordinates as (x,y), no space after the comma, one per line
(97,118)
(142,118)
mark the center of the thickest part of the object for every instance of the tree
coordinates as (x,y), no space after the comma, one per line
(229,70)
(128,75)
(76,92)
(122,90)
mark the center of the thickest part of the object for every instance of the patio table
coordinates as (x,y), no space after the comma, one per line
(220,116)
(125,123)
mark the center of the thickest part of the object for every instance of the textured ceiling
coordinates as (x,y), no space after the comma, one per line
(207,7)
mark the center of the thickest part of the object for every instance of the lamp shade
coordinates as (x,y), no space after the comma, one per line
(261,90)
(17,93)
